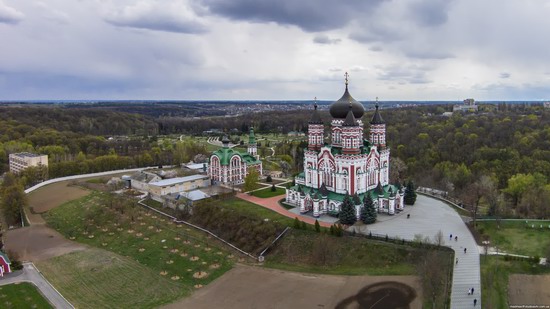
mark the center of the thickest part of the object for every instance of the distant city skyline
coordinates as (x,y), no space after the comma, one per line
(274,50)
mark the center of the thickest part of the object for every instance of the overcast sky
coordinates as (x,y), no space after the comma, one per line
(271,50)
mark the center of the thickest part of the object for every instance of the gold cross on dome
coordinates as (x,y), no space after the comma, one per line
(346,75)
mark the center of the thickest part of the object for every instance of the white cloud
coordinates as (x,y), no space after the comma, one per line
(9,15)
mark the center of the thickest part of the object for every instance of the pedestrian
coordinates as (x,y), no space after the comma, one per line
(475,302)
(472,291)
(456,238)
(464,250)
(469,291)
(456,261)
(451,237)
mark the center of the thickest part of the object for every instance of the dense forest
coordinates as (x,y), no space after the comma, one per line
(497,160)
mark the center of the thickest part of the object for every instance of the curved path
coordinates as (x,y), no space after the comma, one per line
(31,274)
(428,217)
(273,204)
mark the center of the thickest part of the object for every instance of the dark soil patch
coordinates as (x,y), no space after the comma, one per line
(389,294)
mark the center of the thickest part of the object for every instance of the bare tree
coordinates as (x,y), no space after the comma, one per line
(438,238)
(476,190)
(432,273)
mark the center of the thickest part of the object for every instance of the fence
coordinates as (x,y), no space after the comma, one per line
(260,258)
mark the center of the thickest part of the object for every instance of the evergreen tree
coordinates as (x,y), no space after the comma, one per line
(368,213)
(347,212)
(410,194)
(317,226)
(273,188)
(268,178)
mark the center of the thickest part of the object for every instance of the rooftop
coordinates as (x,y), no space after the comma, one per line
(27,154)
(177,180)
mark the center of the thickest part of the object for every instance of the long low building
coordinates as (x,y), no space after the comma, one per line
(175,185)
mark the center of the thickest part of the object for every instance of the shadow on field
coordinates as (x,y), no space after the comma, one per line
(389,294)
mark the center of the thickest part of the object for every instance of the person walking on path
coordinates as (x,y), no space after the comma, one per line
(472,291)
(469,291)
(464,250)
(456,238)
(475,302)
(451,237)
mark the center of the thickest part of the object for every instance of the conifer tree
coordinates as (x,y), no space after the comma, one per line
(410,194)
(347,212)
(368,213)
(317,226)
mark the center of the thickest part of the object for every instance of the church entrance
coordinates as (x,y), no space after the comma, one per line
(308,205)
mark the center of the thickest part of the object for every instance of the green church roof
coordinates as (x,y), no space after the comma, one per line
(225,155)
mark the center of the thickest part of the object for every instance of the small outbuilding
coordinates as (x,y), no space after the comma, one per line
(4,264)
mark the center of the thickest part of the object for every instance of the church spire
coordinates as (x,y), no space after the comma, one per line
(377,118)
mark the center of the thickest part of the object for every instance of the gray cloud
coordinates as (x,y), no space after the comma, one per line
(9,15)
(411,74)
(428,54)
(504,75)
(429,13)
(325,39)
(309,15)
(176,17)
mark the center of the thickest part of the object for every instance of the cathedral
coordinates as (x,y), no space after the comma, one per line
(229,166)
(347,165)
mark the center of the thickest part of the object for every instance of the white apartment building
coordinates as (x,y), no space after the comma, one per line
(23,160)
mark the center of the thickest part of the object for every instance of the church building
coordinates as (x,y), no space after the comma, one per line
(229,166)
(347,165)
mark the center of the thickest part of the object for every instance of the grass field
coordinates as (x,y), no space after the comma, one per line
(176,252)
(22,296)
(265,193)
(518,237)
(255,210)
(96,278)
(307,251)
(495,272)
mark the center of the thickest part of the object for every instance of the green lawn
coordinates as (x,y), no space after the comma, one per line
(151,240)
(265,193)
(95,278)
(255,210)
(518,237)
(495,271)
(22,296)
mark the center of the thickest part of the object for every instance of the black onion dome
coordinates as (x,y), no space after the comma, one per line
(377,118)
(340,108)
(315,118)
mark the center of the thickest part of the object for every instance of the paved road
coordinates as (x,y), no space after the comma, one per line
(31,274)
(429,216)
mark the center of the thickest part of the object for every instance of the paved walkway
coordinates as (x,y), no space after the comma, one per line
(428,217)
(273,204)
(31,274)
